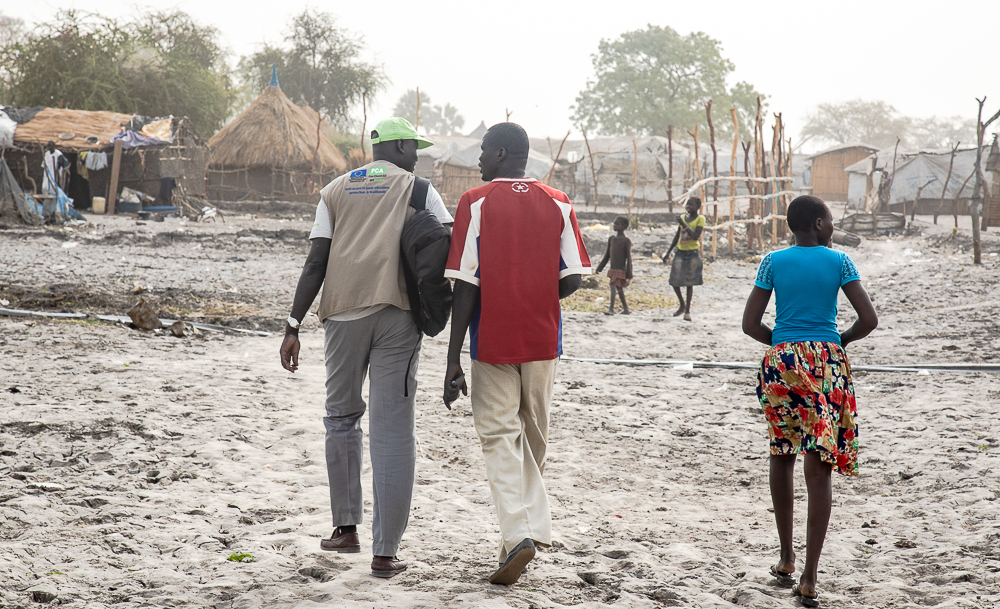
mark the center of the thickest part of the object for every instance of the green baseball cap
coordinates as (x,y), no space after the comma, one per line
(398,128)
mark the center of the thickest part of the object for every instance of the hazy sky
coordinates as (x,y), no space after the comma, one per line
(925,58)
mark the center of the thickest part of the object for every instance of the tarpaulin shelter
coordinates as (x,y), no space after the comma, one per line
(14,205)
(274,150)
(923,170)
(153,149)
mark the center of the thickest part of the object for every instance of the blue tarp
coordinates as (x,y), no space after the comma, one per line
(134,139)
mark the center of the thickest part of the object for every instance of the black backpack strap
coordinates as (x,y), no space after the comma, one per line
(418,198)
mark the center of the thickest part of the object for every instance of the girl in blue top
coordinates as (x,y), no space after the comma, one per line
(804,382)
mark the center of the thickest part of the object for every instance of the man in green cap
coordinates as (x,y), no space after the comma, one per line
(364,309)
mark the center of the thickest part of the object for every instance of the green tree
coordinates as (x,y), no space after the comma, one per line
(870,122)
(648,79)
(444,120)
(319,64)
(186,74)
(937,132)
(156,64)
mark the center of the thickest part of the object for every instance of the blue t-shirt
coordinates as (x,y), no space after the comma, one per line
(805,281)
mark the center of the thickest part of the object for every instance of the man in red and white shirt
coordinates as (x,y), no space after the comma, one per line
(516,250)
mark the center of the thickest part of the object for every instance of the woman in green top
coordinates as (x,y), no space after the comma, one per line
(686,268)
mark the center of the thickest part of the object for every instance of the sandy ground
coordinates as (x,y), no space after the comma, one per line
(133,464)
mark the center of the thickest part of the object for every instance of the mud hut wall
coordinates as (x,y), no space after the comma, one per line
(828,179)
(143,168)
(265,184)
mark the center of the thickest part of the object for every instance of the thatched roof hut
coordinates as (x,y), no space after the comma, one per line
(271,150)
(70,129)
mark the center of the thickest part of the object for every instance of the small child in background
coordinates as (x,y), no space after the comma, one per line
(685,271)
(619,253)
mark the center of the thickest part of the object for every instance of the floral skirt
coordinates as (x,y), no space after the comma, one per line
(619,278)
(806,392)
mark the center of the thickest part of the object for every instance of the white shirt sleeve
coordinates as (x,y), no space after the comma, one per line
(322,229)
(572,251)
(435,205)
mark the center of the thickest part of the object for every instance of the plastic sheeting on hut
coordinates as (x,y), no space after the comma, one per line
(14,205)
(921,170)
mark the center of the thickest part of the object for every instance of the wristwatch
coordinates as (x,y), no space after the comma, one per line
(293,323)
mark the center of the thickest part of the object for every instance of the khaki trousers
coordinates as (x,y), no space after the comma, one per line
(510,408)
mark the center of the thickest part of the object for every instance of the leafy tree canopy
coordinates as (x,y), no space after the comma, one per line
(444,120)
(157,64)
(879,124)
(648,79)
(319,64)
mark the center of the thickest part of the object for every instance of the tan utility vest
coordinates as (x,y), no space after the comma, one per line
(368,207)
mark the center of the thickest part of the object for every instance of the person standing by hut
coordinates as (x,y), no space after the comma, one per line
(54,168)
(804,381)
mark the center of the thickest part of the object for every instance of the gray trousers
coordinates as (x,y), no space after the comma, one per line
(386,345)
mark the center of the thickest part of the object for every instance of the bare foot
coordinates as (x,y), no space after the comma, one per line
(679,312)
(609,312)
(626,312)
(687,316)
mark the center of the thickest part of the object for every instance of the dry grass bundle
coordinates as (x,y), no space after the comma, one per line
(51,123)
(275,133)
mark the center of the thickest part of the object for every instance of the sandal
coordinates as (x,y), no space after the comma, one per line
(808,601)
(785,579)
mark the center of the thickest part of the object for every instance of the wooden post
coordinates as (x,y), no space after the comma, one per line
(775,172)
(715,233)
(976,203)
(944,189)
(593,170)
(715,155)
(697,160)
(116,165)
(670,167)
(760,171)
(548,178)
(635,173)
(788,172)
(732,183)
(746,171)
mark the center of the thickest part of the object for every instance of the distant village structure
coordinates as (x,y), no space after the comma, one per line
(151,150)
(827,176)
(274,150)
